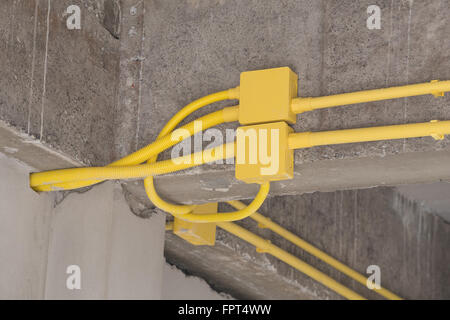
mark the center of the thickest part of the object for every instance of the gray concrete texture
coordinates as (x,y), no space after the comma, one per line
(103,91)
(120,255)
(62,90)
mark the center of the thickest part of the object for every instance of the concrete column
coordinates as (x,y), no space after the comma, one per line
(24,230)
(120,256)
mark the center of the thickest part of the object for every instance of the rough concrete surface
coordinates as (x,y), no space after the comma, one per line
(120,255)
(57,85)
(434,196)
(360,228)
(101,92)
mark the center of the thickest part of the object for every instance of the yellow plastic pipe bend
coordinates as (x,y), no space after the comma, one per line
(240,214)
(228,115)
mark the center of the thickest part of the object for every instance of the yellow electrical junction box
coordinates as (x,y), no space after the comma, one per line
(262,153)
(266,95)
(197,233)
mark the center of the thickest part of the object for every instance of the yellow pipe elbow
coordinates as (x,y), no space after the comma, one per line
(230,216)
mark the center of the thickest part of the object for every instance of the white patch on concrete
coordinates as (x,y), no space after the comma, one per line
(179,286)
(10,150)
(433,196)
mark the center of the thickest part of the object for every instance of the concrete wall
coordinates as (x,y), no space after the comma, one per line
(434,196)
(58,85)
(25,219)
(120,255)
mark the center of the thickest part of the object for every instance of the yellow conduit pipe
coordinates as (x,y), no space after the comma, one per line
(228,114)
(435,87)
(230,94)
(78,177)
(266,246)
(268,223)
(435,129)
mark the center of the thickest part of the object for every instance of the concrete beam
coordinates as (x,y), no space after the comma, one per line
(323,176)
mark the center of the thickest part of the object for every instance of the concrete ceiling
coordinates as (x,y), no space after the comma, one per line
(101,92)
